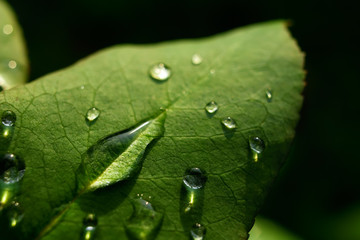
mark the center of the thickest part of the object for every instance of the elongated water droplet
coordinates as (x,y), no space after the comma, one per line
(196,59)
(89,227)
(145,222)
(8,29)
(229,123)
(12,168)
(211,107)
(160,72)
(92,114)
(257,145)
(15,214)
(8,118)
(269,95)
(197,232)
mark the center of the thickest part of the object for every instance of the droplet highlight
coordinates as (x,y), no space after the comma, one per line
(211,107)
(145,222)
(12,169)
(197,232)
(8,29)
(257,146)
(228,123)
(8,118)
(15,214)
(160,72)
(92,114)
(89,227)
(269,95)
(196,59)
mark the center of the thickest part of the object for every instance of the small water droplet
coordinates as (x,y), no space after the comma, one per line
(15,214)
(257,146)
(195,179)
(197,232)
(211,107)
(145,222)
(89,226)
(8,29)
(229,123)
(82,87)
(269,95)
(92,114)
(12,64)
(160,72)
(8,118)
(12,169)
(196,59)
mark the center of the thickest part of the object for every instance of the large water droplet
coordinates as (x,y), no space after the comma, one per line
(160,72)
(89,227)
(15,214)
(196,59)
(257,145)
(197,232)
(8,118)
(145,222)
(211,107)
(195,179)
(8,29)
(92,114)
(229,123)
(269,95)
(12,168)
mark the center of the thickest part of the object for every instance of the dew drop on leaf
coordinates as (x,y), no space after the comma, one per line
(12,64)
(195,179)
(160,72)
(92,114)
(15,214)
(89,227)
(257,146)
(269,95)
(12,169)
(196,59)
(228,123)
(211,107)
(197,232)
(8,118)
(8,29)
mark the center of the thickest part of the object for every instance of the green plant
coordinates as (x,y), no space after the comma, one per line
(146,141)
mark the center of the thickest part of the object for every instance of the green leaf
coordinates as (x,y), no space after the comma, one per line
(13,56)
(56,141)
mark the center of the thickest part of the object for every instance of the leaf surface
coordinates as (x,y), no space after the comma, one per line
(238,68)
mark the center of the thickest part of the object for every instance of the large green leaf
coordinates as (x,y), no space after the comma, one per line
(66,155)
(13,56)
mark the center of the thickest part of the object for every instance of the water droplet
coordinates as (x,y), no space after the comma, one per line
(92,114)
(196,59)
(12,64)
(82,87)
(269,95)
(257,146)
(12,168)
(8,118)
(211,107)
(15,214)
(195,179)
(145,222)
(89,226)
(8,29)
(160,72)
(197,232)
(229,123)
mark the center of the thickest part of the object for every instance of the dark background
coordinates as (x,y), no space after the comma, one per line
(320,180)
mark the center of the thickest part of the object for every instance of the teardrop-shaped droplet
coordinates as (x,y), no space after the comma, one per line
(15,214)
(160,72)
(211,107)
(257,146)
(145,222)
(12,169)
(228,123)
(92,114)
(196,59)
(8,29)
(197,232)
(89,227)
(8,118)
(195,179)
(269,95)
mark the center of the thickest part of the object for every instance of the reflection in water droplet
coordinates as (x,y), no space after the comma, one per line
(8,29)
(89,227)
(197,232)
(92,114)
(160,72)
(195,179)
(257,145)
(12,64)
(269,95)
(196,59)
(15,214)
(8,118)
(229,123)
(12,169)
(145,222)
(211,107)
